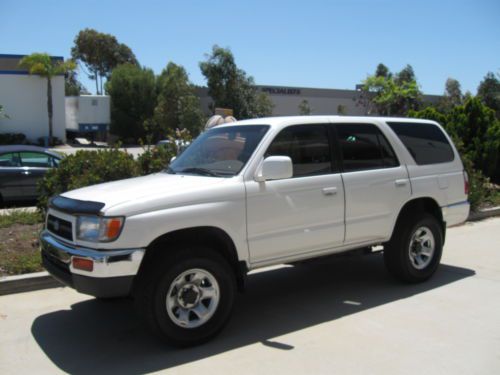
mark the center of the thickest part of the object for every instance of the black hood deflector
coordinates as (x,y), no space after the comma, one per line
(75,206)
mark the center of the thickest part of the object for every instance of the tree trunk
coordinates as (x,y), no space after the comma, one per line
(96,82)
(49,107)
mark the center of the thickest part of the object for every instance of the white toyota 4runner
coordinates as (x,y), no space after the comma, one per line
(252,194)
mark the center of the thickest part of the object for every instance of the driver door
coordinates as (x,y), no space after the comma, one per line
(302,214)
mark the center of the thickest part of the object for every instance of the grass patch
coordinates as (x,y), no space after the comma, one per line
(20,217)
(19,249)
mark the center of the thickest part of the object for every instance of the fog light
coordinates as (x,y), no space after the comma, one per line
(83,264)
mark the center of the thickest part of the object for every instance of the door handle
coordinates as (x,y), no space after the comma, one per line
(25,172)
(329,191)
(400,183)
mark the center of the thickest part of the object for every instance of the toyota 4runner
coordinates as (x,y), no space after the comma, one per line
(252,194)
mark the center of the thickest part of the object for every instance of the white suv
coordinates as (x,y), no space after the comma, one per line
(252,194)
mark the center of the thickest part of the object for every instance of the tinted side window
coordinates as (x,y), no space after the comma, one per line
(35,159)
(10,159)
(307,146)
(363,146)
(425,142)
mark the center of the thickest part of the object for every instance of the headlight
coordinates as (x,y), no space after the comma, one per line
(98,229)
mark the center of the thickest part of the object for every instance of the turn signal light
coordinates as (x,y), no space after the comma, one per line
(83,264)
(113,227)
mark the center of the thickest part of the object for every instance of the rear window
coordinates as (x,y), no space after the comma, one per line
(425,142)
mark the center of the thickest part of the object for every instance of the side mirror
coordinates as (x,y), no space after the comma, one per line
(173,158)
(275,168)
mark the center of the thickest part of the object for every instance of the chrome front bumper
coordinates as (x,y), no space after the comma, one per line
(113,270)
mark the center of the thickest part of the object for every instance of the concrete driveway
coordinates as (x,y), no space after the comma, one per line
(344,316)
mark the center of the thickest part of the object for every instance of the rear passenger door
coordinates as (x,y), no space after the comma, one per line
(35,165)
(376,184)
(11,176)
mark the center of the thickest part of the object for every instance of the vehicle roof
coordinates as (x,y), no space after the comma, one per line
(20,148)
(288,120)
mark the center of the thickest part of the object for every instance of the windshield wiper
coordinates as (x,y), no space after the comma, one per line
(197,170)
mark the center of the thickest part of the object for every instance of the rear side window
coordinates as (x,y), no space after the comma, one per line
(308,147)
(35,159)
(425,142)
(363,146)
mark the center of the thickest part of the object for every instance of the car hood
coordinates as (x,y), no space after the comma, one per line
(147,187)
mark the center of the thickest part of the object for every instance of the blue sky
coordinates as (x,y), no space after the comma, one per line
(332,44)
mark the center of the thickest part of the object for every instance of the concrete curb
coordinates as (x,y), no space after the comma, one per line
(484,213)
(42,280)
(27,282)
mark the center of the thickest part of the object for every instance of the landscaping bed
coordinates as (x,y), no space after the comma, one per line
(19,247)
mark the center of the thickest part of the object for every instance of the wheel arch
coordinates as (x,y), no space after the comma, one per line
(216,238)
(418,205)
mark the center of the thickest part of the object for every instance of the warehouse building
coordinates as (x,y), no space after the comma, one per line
(24,99)
(287,100)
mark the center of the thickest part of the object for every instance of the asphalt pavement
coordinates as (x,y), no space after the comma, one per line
(341,316)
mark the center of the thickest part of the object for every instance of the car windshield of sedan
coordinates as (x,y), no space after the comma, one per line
(220,151)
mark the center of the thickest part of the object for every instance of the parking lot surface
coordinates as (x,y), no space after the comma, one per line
(340,316)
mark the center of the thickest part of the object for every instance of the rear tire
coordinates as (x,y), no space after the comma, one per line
(414,251)
(187,296)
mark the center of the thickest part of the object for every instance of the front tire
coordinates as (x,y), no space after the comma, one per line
(188,297)
(414,251)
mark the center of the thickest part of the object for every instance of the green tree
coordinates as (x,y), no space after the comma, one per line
(178,107)
(304,108)
(452,95)
(382,71)
(389,96)
(489,92)
(43,65)
(72,86)
(230,87)
(406,75)
(100,53)
(133,99)
(476,125)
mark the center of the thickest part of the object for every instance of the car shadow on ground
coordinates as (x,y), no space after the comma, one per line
(106,336)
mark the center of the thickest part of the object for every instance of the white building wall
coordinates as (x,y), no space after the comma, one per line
(24,99)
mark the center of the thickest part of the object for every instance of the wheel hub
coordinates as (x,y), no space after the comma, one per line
(192,298)
(189,296)
(421,249)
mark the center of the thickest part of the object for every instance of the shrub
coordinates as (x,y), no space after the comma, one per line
(12,139)
(155,159)
(86,168)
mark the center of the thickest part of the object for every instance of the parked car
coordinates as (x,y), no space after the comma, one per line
(20,169)
(257,193)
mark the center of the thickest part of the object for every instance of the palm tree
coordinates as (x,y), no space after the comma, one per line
(44,66)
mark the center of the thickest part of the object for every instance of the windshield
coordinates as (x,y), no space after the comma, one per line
(219,152)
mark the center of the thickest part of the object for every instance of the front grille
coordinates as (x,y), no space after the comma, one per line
(62,228)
